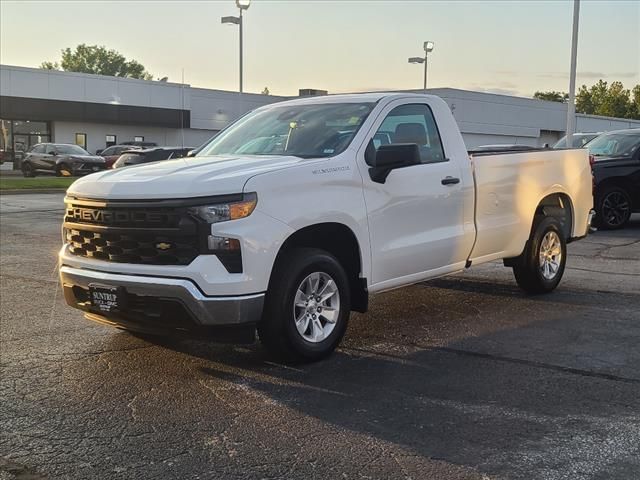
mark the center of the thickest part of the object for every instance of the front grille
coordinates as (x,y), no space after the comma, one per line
(152,232)
(142,248)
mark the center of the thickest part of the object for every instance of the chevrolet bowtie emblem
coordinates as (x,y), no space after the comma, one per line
(163,246)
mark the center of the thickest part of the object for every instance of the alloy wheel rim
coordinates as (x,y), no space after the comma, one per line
(316,307)
(615,208)
(550,255)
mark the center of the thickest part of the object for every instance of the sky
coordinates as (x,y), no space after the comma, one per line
(510,47)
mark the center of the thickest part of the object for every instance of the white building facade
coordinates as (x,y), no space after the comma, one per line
(96,111)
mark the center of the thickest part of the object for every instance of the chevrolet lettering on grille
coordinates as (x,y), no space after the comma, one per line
(111,217)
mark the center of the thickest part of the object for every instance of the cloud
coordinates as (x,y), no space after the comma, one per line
(589,75)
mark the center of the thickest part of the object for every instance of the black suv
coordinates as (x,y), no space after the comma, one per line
(146,155)
(616,172)
(62,159)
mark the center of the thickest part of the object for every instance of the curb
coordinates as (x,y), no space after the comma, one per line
(27,191)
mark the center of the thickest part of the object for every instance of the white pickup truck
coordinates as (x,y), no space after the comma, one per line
(291,217)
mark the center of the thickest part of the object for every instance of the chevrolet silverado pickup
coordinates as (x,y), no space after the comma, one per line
(291,217)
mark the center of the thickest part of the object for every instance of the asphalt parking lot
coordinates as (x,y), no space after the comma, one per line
(458,378)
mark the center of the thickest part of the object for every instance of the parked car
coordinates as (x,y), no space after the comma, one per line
(146,155)
(291,218)
(61,159)
(112,153)
(140,144)
(579,140)
(616,172)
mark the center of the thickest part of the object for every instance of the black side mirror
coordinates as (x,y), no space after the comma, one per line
(390,157)
(99,151)
(53,152)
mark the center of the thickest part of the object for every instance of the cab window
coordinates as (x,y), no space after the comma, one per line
(413,123)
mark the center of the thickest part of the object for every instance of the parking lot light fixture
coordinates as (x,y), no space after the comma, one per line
(232,20)
(428,47)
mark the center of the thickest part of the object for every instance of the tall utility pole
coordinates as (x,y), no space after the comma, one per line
(571,106)
(241,60)
(242,5)
(428,47)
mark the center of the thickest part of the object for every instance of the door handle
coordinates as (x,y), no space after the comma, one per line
(450,181)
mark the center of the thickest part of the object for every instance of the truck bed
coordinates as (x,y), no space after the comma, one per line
(509,187)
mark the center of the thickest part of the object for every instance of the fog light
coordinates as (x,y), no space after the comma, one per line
(228,252)
(223,244)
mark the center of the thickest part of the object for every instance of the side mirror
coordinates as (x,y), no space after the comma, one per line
(191,153)
(390,157)
(98,152)
(53,152)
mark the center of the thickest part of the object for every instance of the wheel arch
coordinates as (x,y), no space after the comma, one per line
(559,206)
(622,182)
(339,240)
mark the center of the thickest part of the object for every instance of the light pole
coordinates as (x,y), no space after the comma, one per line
(428,47)
(571,106)
(231,20)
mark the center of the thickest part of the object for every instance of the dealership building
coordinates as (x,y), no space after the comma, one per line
(96,111)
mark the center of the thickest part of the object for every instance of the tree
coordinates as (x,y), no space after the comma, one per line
(552,96)
(609,100)
(100,61)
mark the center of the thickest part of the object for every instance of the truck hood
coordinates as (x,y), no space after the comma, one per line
(179,178)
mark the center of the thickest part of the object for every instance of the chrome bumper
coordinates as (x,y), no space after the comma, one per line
(204,311)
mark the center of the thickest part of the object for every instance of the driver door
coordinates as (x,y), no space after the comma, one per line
(415,216)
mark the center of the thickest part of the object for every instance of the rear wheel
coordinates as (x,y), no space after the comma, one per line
(307,306)
(28,171)
(613,208)
(541,266)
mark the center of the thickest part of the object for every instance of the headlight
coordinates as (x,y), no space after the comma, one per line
(223,212)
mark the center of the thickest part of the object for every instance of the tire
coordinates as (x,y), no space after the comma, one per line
(541,266)
(292,282)
(27,170)
(64,170)
(613,208)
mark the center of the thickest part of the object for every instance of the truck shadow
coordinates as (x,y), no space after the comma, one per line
(522,389)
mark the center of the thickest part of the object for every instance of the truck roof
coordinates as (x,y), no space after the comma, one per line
(349,98)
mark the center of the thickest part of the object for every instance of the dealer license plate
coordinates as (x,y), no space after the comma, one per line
(106,298)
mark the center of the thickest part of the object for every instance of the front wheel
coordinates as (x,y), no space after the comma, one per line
(64,170)
(541,266)
(307,306)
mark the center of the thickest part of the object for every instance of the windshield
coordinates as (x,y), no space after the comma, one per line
(306,131)
(615,144)
(70,150)
(579,140)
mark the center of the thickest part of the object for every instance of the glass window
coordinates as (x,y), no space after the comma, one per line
(306,131)
(38,149)
(138,139)
(81,140)
(65,149)
(412,124)
(29,127)
(110,140)
(618,144)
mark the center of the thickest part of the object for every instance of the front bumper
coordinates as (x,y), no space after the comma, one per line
(160,305)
